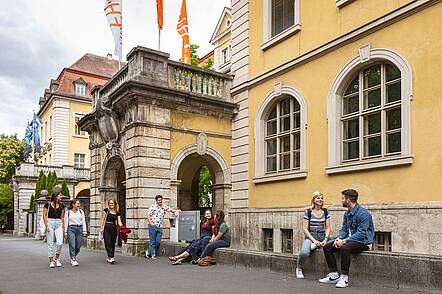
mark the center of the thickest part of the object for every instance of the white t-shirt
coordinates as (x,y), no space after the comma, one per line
(77,218)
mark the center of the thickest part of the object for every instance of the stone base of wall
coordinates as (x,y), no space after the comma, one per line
(415,228)
(134,247)
(393,270)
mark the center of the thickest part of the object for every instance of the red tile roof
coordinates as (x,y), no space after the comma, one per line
(97,65)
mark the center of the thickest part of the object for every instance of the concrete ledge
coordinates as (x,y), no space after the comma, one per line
(393,270)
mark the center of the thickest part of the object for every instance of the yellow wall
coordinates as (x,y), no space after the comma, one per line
(45,118)
(78,144)
(81,186)
(321,22)
(199,123)
(419,40)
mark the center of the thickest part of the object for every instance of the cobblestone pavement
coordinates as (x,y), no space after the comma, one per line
(24,269)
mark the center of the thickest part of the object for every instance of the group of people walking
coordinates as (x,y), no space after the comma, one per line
(356,234)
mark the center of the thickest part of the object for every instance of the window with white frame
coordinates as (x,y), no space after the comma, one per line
(78,131)
(371,114)
(79,160)
(225,55)
(50,127)
(281,19)
(80,89)
(283,136)
(283,15)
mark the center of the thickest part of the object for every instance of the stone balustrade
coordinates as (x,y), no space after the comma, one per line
(29,169)
(117,80)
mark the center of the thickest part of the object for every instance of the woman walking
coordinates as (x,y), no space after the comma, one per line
(110,221)
(53,216)
(220,238)
(75,227)
(316,226)
(196,245)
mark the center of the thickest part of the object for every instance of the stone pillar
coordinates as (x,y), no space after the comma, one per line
(39,207)
(221,197)
(277,240)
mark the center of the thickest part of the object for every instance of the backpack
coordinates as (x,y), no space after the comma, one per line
(309,214)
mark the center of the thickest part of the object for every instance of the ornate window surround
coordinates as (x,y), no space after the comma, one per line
(367,56)
(260,127)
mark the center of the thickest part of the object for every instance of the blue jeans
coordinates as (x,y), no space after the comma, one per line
(208,250)
(155,235)
(75,236)
(306,247)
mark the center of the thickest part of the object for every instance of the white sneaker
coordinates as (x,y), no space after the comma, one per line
(331,278)
(74,263)
(299,274)
(52,264)
(343,282)
(112,260)
(108,260)
(153,257)
(58,263)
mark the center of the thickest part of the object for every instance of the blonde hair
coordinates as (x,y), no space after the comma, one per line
(115,203)
(314,196)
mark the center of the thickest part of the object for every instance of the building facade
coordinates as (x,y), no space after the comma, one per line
(331,95)
(65,148)
(221,41)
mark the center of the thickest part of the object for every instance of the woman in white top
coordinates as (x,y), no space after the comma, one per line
(75,227)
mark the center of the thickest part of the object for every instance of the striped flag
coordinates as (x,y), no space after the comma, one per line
(160,14)
(28,135)
(36,123)
(183,29)
(113,10)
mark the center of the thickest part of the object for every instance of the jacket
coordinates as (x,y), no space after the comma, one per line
(357,225)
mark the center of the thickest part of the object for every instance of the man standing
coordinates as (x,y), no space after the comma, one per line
(355,236)
(155,217)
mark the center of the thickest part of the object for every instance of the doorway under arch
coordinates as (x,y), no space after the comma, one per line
(185,172)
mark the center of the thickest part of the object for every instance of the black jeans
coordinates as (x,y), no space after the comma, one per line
(110,237)
(351,247)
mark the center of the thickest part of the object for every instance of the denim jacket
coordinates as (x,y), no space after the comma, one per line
(358,224)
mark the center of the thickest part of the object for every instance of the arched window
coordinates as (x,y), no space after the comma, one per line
(280,136)
(369,113)
(283,136)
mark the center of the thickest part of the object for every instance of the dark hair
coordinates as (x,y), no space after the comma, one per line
(158,197)
(350,194)
(54,197)
(219,219)
(72,203)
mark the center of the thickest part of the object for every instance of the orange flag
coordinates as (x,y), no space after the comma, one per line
(160,14)
(183,29)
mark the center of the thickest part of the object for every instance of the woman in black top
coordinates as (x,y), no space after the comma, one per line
(110,220)
(53,216)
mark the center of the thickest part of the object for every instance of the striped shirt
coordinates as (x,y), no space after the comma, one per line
(316,224)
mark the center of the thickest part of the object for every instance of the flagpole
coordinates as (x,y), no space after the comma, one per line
(159,39)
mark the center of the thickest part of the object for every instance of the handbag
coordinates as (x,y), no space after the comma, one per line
(100,234)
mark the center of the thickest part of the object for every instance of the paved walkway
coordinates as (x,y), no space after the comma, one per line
(24,269)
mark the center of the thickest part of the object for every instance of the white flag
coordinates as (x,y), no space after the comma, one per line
(113,9)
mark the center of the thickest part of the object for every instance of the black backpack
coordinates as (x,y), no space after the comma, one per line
(309,214)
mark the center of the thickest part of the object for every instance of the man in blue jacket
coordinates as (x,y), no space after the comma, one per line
(355,236)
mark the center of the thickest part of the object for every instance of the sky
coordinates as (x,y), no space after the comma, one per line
(38,38)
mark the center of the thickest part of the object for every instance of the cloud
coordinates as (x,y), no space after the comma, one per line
(40,38)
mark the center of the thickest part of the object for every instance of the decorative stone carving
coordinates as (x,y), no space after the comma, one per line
(202,143)
(364,52)
(107,125)
(278,88)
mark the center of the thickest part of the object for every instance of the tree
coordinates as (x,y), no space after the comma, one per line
(6,202)
(51,182)
(65,189)
(194,58)
(11,155)
(40,185)
(208,64)
(204,188)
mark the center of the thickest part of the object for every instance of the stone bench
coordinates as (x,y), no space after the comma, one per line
(394,270)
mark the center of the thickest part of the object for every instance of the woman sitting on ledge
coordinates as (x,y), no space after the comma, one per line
(220,238)
(196,245)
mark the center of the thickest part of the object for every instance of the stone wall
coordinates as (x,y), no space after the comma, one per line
(415,227)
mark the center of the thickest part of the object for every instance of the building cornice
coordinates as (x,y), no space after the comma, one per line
(381,22)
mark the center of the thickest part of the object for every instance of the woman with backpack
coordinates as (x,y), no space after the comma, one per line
(196,245)
(316,227)
(53,217)
(110,221)
(75,228)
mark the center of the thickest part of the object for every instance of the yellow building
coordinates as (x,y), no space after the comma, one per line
(337,94)
(66,101)
(221,39)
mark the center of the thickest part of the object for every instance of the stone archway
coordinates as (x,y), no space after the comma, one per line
(113,183)
(186,165)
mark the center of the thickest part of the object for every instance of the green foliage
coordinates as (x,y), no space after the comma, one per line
(11,155)
(51,182)
(40,185)
(6,201)
(194,58)
(65,189)
(204,187)
(208,64)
